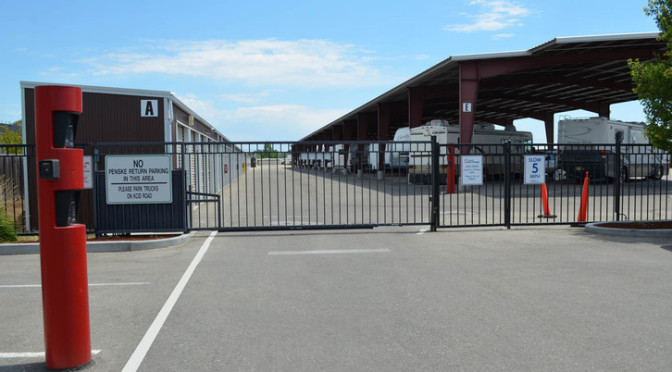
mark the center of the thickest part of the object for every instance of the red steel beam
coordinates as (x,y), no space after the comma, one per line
(416,101)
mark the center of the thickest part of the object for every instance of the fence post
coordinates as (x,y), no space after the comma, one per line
(507,184)
(96,158)
(617,177)
(435,185)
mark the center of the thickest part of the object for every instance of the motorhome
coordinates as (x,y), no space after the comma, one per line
(588,145)
(396,152)
(486,139)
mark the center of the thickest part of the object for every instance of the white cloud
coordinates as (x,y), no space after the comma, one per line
(494,15)
(502,36)
(304,63)
(281,122)
(247,98)
(276,122)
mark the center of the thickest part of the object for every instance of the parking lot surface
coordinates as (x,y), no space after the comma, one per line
(551,298)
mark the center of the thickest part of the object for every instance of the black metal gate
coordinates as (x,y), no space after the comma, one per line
(607,182)
(363,184)
(330,185)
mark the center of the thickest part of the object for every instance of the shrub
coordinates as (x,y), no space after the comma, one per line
(7,232)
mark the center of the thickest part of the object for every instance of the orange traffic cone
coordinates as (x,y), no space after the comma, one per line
(544,201)
(584,201)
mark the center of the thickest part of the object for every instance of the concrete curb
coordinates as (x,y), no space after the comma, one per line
(99,247)
(640,233)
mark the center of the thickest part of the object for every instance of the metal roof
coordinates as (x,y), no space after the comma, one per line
(563,74)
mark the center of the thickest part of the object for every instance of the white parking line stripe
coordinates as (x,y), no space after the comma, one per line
(90,285)
(148,339)
(30,355)
(333,251)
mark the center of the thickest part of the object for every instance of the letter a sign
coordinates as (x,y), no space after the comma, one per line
(149,108)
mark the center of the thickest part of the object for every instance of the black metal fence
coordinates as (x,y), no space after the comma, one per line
(362,184)
(13,199)
(614,182)
(336,184)
(295,186)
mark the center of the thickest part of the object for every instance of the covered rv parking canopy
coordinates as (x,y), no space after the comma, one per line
(564,74)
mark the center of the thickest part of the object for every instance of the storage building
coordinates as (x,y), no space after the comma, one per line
(157,121)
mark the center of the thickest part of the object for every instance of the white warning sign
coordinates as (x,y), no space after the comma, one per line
(471,167)
(138,179)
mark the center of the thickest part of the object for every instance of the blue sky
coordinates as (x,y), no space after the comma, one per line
(278,70)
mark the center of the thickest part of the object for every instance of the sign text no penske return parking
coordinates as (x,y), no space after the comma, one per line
(138,179)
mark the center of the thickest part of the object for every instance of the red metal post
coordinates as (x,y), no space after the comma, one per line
(362,130)
(65,291)
(450,174)
(469,80)
(548,125)
(416,102)
(383,132)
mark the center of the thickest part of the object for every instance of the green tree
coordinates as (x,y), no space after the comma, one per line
(653,80)
(11,135)
(268,152)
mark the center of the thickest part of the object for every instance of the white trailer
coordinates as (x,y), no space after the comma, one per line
(358,158)
(396,152)
(484,134)
(320,159)
(600,131)
(588,145)
(338,154)
(303,159)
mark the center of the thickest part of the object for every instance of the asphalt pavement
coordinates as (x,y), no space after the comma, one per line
(552,298)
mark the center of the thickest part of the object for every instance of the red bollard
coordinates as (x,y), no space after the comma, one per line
(65,289)
(450,174)
(544,201)
(583,211)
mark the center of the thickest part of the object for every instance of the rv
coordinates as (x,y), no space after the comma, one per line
(587,145)
(396,152)
(484,134)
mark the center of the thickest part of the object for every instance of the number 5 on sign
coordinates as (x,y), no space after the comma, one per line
(535,169)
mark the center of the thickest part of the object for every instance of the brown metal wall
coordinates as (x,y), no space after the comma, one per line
(29,127)
(116,118)
(198,126)
(105,118)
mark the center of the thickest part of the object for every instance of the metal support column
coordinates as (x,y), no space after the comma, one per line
(617,176)
(469,81)
(435,202)
(507,184)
